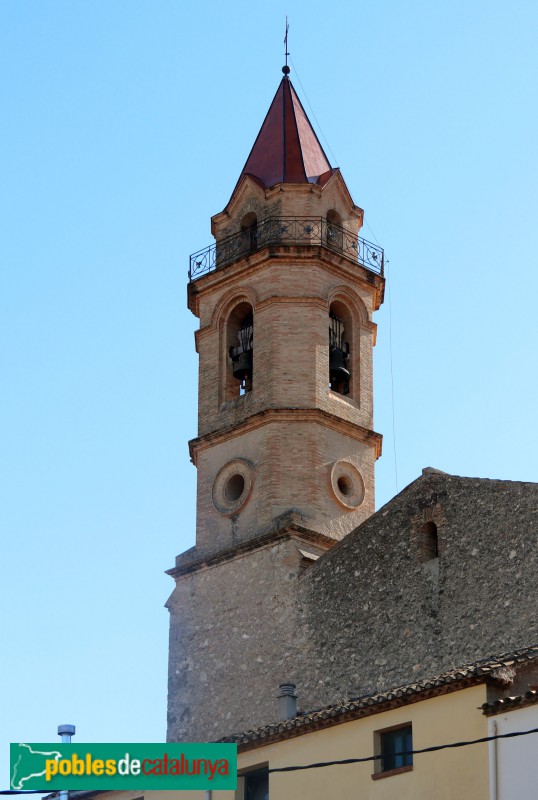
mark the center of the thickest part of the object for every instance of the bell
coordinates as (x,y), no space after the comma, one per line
(338,372)
(242,365)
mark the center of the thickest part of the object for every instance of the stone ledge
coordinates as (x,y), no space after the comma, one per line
(287,526)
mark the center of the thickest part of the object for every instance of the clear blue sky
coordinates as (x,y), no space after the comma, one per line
(124,126)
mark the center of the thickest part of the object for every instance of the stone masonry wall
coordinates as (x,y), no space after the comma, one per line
(369,615)
(378,615)
(232,642)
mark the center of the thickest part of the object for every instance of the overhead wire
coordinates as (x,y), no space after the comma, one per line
(342,762)
(432,749)
(392,379)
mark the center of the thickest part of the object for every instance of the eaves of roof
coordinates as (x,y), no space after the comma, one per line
(493,669)
(503,704)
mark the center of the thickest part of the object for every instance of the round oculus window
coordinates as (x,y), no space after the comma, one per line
(232,486)
(347,484)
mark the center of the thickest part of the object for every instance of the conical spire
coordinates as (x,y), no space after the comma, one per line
(286,149)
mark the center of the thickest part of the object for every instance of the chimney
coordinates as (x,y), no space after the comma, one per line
(287,701)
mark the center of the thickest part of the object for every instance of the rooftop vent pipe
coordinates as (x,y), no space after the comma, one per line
(65,732)
(287,701)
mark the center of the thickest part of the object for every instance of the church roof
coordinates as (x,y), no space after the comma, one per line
(287,149)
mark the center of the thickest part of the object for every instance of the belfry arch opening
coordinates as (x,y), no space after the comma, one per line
(340,339)
(239,351)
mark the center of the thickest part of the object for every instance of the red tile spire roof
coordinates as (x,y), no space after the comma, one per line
(286,149)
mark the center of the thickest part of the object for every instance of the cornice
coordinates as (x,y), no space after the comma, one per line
(285,529)
(267,416)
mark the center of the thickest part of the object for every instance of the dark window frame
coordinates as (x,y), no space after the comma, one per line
(393,745)
(256,784)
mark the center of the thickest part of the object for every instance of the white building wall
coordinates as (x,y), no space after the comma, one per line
(514,762)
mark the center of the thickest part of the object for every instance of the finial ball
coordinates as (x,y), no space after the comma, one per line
(286,70)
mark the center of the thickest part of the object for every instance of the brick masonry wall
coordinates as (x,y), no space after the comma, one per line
(290,290)
(290,463)
(290,298)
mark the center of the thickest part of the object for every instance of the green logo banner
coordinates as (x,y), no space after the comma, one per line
(51,767)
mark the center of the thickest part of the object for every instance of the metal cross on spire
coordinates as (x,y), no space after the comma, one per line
(285,68)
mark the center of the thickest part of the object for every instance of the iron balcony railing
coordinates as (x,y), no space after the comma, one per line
(287,231)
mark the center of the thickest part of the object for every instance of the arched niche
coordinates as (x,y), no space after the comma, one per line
(429,541)
(249,231)
(334,229)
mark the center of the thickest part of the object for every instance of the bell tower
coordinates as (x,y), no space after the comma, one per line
(286,449)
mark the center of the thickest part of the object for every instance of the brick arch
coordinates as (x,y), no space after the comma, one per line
(229,301)
(225,308)
(352,300)
(356,312)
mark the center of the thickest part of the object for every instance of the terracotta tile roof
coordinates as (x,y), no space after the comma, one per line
(287,149)
(530,698)
(493,668)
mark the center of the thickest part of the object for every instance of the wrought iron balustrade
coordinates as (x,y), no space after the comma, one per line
(287,231)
